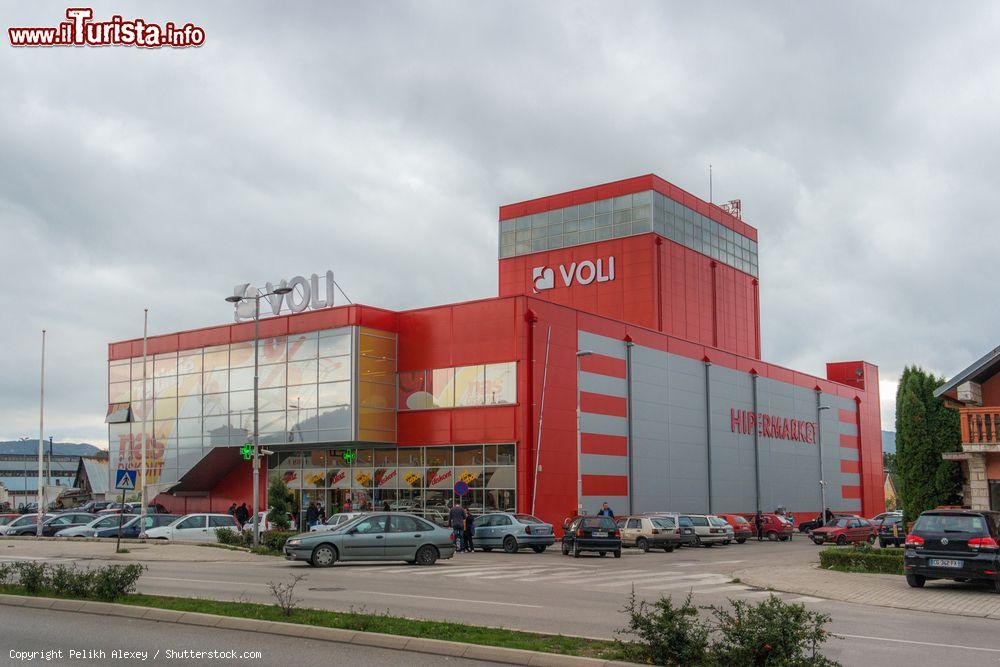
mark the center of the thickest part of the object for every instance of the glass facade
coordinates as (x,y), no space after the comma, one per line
(411,479)
(200,399)
(460,387)
(638,213)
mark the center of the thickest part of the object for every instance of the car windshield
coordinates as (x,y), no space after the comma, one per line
(740,519)
(4,520)
(951,523)
(599,523)
(23,521)
(527,518)
(716,521)
(840,523)
(663,523)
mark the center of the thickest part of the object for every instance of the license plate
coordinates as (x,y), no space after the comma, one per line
(943,562)
(599,534)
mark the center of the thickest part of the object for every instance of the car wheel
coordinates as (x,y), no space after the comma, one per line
(643,544)
(841,540)
(427,555)
(668,549)
(538,549)
(708,545)
(510,544)
(772,536)
(817,541)
(603,553)
(323,556)
(915,580)
(618,554)
(741,540)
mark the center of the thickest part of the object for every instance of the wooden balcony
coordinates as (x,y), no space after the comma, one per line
(980,426)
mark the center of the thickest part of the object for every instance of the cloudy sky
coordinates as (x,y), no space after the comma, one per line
(378,139)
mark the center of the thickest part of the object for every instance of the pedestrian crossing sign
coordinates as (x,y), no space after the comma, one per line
(125,480)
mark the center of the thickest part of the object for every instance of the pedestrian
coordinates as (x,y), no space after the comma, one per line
(606,511)
(322,511)
(232,510)
(312,515)
(456,519)
(829,516)
(385,506)
(347,506)
(758,522)
(242,515)
(467,532)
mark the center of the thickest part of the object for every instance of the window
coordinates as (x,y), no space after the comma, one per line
(403,524)
(372,525)
(699,521)
(193,522)
(634,524)
(221,522)
(527,518)
(666,522)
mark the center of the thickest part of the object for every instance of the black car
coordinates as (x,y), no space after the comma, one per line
(130,530)
(55,523)
(960,545)
(27,524)
(592,533)
(813,524)
(891,531)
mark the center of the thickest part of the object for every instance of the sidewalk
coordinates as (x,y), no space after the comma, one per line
(881,590)
(153,550)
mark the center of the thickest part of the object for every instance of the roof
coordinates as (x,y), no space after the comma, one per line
(97,474)
(980,371)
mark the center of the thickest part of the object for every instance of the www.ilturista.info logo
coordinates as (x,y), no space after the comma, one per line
(581,273)
(80,30)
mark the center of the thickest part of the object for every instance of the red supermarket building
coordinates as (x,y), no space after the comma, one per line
(635,296)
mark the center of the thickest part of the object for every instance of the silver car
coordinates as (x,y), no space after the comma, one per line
(376,536)
(511,532)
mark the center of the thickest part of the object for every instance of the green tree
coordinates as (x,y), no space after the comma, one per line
(279,502)
(889,462)
(925,429)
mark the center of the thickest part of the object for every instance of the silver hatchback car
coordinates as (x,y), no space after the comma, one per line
(376,536)
(512,532)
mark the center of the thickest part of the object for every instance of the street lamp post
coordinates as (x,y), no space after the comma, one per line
(822,475)
(579,430)
(41,454)
(235,299)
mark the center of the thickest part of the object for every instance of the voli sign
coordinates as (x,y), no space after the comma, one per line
(581,273)
(771,426)
(307,294)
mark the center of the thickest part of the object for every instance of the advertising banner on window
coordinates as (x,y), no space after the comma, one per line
(440,478)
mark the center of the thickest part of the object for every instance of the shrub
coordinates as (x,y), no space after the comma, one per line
(31,575)
(230,536)
(667,635)
(772,632)
(114,581)
(279,500)
(7,571)
(881,561)
(70,581)
(274,540)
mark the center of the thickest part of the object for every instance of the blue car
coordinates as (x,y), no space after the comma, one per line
(130,529)
(511,532)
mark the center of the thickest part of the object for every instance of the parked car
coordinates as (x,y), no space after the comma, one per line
(806,526)
(25,524)
(199,527)
(891,531)
(851,529)
(511,532)
(776,526)
(333,521)
(707,533)
(93,506)
(961,545)
(376,536)
(97,522)
(650,532)
(879,518)
(592,533)
(742,530)
(58,522)
(130,529)
(154,508)
(7,518)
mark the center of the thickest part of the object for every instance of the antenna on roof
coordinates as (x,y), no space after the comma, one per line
(710,183)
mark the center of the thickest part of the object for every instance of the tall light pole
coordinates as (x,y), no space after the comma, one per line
(41,451)
(235,300)
(579,430)
(822,475)
(143,440)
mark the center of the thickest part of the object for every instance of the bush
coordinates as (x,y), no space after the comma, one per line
(279,500)
(31,575)
(771,632)
(853,559)
(70,581)
(230,536)
(274,540)
(7,571)
(667,635)
(114,581)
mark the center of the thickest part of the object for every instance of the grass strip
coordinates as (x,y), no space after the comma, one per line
(363,621)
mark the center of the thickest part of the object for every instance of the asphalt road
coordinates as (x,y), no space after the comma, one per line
(23,631)
(559,594)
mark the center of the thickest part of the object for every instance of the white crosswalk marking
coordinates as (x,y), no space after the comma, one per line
(691,582)
(621,574)
(716,562)
(654,579)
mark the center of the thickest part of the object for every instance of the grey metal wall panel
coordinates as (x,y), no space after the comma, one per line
(618,504)
(603,424)
(599,464)
(609,347)
(602,384)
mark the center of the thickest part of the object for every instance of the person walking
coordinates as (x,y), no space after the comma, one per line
(242,515)
(467,531)
(232,510)
(606,511)
(312,515)
(828,517)
(758,522)
(385,506)
(456,519)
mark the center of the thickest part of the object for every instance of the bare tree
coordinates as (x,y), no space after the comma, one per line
(284,594)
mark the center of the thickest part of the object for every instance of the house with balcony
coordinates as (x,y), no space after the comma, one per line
(975,393)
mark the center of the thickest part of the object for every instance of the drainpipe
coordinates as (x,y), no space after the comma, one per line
(756,443)
(708,427)
(529,364)
(628,414)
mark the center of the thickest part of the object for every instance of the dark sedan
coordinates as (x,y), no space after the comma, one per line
(891,531)
(592,533)
(960,545)
(54,524)
(131,528)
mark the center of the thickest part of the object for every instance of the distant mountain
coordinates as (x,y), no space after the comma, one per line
(889,442)
(29,447)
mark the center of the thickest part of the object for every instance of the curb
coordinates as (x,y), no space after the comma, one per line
(508,656)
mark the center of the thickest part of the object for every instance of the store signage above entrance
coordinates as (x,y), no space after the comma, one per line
(305,295)
(771,426)
(581,273)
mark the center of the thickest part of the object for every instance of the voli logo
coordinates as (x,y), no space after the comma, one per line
(582,273)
